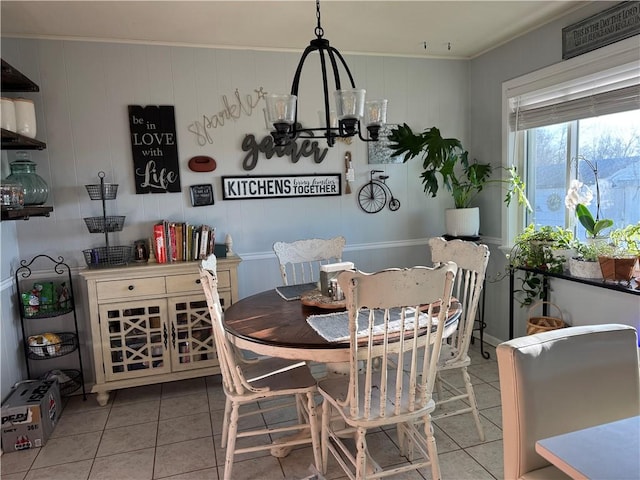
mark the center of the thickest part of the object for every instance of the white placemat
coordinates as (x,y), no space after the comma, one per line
(334,327)
(293,292)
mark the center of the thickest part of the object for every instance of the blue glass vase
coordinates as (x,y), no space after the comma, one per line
(23,171)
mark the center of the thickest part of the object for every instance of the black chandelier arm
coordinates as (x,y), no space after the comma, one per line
(325,89)
(344,64)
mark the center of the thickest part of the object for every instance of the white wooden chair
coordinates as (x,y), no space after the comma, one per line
(378,391)
(246,382)
(472,260)
(300,260)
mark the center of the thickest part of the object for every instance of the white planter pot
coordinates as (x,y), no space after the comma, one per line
(582,269)
(462,222)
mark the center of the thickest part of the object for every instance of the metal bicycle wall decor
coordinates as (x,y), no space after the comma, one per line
(373,195)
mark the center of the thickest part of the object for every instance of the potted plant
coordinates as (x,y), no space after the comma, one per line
(622,263)
(445,161)
(585,263)
(534,248)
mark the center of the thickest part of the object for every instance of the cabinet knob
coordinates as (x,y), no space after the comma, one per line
(131,287)
(198,281)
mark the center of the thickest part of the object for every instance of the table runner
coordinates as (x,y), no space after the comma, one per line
(293,292)
(334,327)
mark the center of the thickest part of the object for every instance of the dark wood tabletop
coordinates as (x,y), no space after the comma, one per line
(267,324)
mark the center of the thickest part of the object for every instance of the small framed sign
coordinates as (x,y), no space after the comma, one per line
(201,195)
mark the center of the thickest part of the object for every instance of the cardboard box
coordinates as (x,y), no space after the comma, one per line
(29,414)
(330,271)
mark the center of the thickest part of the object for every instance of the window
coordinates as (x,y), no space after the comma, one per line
(557,154)
(561,119)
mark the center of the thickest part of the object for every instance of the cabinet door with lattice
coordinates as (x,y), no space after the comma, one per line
(191,333)
(135,339)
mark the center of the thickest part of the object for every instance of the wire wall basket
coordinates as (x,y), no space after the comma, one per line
(104,224)
(108,191)
(101,257)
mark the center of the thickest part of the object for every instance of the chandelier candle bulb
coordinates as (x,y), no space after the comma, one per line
(350,103)
(376,111)
(281,108)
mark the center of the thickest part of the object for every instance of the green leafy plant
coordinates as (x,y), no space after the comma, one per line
(533,248)
(627,239)
(589,252)
(592,226)
(445,160)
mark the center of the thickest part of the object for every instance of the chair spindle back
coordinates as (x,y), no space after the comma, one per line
(375,301)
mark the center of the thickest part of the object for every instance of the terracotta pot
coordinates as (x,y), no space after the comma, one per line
(617,268)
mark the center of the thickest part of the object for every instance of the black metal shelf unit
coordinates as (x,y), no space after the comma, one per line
(45,300)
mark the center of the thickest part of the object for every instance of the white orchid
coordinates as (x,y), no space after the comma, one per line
(578,193)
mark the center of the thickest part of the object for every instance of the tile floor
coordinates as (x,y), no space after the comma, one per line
(173,431)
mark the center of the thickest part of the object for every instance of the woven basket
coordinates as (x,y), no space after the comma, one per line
(544,323)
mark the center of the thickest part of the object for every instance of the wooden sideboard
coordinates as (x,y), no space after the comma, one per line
(149,323)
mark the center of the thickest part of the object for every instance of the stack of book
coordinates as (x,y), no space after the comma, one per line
(182,242)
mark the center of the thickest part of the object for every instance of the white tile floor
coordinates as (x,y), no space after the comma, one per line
(173,431)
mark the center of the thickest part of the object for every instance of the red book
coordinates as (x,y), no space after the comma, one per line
(159,243)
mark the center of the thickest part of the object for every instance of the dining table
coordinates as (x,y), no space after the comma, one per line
(607,451)
(267,324)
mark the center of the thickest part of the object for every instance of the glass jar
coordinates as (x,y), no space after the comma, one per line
(23,171)
(11,194)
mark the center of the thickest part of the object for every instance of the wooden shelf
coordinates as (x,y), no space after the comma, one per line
(26,212)
(14,81)
(15,141)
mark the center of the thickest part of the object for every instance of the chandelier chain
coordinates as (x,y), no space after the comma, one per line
(319,30)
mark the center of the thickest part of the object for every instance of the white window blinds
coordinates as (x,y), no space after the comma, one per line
(612,91)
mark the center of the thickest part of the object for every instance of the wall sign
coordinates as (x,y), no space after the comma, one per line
(295,149)
(155,148)
(231,110)
(609,26)
(380,152)
(201,195)
(280,186)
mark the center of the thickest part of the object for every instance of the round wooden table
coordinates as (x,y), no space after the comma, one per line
(267,324)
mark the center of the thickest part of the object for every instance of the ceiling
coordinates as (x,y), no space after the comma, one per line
(451,29)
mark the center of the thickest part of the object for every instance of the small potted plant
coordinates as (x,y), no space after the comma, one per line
(585,264)
(446,162)
(622,263)
(534,248)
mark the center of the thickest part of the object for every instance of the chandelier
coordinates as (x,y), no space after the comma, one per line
(350,105)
